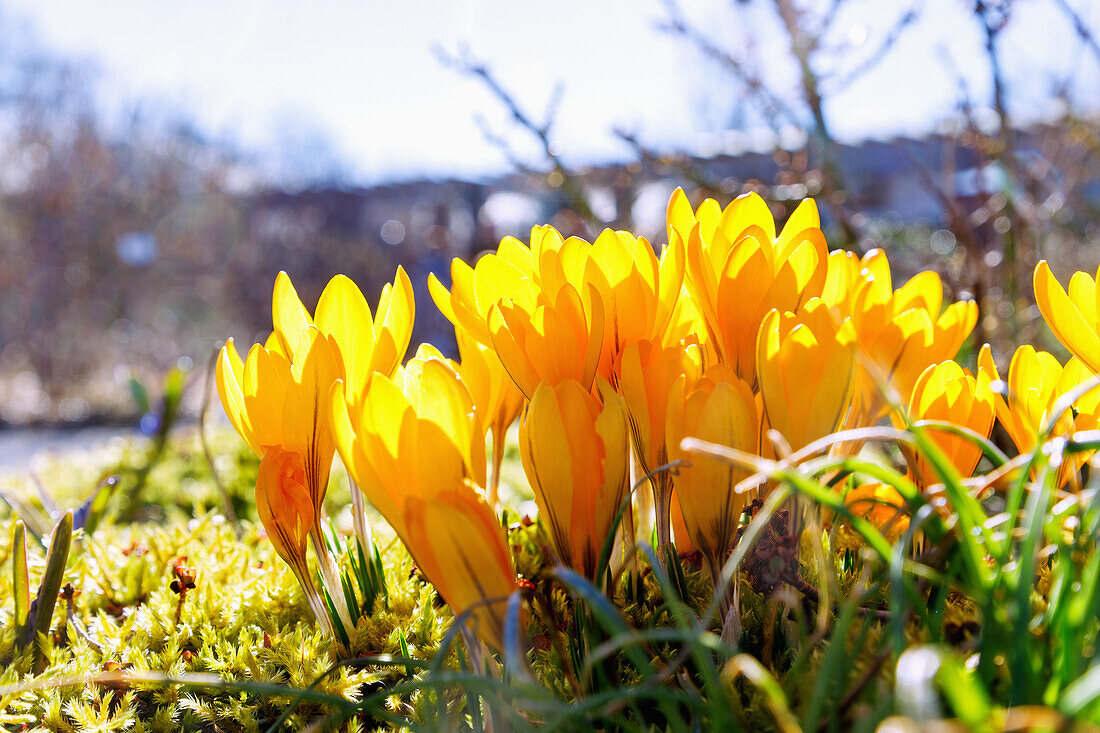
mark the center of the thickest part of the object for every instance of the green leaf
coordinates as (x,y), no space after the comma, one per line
(964,692)
(140,395)
(333,614)
(57,558)
(21,583)
(1082,692)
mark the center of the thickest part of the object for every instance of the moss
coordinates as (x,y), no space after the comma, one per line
(245,621)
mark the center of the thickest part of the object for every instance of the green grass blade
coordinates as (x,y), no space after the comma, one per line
(748,667)
(57,557)
(20,583)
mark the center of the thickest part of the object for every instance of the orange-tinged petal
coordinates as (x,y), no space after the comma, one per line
(945,392)
(882,505)
(645,377)
(354,457)
(495,396)
(575,454)
(702,280)
(722,412)
(459,545)
(741,304)
(307,428)
(284,505)
(611,427)
(548,464)
(509,340)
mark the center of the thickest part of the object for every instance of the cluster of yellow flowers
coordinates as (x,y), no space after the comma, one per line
(610,356)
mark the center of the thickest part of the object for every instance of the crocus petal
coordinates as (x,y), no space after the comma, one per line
(1072,327)
(459,545)
(288,314)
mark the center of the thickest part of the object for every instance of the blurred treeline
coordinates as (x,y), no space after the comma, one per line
(130,242)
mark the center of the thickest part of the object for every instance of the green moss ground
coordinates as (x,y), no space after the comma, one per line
(248,651)
(245,619)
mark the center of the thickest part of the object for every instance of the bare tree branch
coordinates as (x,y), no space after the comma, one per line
(833,178)
(503,146)
(569,186)
(828,18)
(774,110)
(681,164)
(1082,30)
(906,19)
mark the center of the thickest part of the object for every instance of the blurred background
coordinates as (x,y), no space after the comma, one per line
(161,162)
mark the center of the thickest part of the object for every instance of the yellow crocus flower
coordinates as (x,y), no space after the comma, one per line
(647,372)
(718,408)
(558,338)
(511,272)
(497,400)
(882,505)
(415,446)
(637,291)
(738,269)
(285,509)
(575,453)
(1036,381)
(948,393)
(1072,316)
(805,367)
(274,404)
(278,398)
(900,333)
(367,343)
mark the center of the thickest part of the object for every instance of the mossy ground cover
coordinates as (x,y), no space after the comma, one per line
(244,620)
(239,651)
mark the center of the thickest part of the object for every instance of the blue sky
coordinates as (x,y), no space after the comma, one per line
(365,74)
